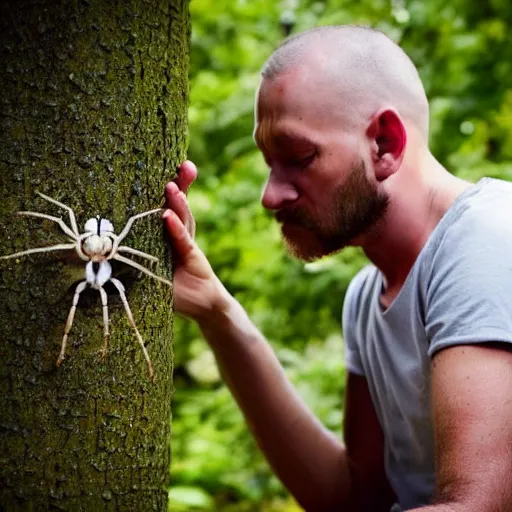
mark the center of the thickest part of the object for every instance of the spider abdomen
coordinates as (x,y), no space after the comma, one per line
(97,274)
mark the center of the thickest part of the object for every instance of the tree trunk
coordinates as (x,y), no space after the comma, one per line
(93,97)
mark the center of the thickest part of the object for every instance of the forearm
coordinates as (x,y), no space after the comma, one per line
(308,459)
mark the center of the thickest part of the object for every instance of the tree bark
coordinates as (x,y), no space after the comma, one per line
(93,97)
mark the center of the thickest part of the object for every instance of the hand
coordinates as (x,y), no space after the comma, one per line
(197,290)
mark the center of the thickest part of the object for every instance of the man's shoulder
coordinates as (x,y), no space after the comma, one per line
(480,219)
(468,278)
(356,309)
(488,202)
(360,288)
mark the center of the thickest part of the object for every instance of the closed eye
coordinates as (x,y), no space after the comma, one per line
(305,162)
(294,162)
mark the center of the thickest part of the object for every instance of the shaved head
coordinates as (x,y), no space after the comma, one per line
(364,69)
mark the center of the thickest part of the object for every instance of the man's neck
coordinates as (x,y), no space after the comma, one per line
(396,242)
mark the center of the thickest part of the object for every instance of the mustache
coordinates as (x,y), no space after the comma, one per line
(292,215)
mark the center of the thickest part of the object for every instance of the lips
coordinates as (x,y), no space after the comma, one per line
(295,217)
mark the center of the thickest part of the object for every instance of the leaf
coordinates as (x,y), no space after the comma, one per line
(190,497)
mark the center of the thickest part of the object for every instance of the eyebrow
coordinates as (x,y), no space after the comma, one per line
(267,141)
(262,137)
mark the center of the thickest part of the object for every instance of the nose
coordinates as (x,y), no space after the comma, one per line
(278,193)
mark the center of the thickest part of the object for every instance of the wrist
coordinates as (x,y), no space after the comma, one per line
(227,328)
(218,307)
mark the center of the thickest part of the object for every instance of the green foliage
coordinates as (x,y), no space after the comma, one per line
(464,55)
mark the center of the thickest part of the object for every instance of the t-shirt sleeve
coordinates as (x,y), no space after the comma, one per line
(469,292)
(353,362)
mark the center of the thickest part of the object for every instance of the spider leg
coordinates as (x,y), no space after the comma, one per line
(136,252)
(59,221)
(72,218)
(133,264)
(129,225)
(79,289)
(106,333)
(59,247)
(78,246)
(120,288)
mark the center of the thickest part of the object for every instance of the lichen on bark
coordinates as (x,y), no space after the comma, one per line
(93,102)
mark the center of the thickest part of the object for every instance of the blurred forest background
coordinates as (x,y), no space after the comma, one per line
(463,51)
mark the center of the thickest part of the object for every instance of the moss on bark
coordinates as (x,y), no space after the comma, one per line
(93,101)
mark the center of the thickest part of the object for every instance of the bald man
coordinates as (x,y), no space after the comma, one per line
(342,121)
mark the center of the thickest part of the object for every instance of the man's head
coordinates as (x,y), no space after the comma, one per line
(334,112)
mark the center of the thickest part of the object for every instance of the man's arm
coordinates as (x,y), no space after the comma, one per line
(321,473)
(472,416)
(310,461)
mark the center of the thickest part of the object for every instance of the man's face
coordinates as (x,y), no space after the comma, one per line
(348,211)
(319,187)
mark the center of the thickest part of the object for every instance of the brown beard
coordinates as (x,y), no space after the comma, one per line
(357,207)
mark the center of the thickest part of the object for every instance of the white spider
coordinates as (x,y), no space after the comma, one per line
(96,245)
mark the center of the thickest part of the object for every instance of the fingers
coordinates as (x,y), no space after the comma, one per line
(182,241)
(187,173)
(175,196)
(177,201)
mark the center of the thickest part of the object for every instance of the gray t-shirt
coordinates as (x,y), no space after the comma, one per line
(459,291)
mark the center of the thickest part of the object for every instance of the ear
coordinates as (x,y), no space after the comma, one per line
(387,134)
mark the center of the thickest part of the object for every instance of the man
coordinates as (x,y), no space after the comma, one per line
(342,121)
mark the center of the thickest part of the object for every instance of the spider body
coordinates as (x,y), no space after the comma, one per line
(96,245)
